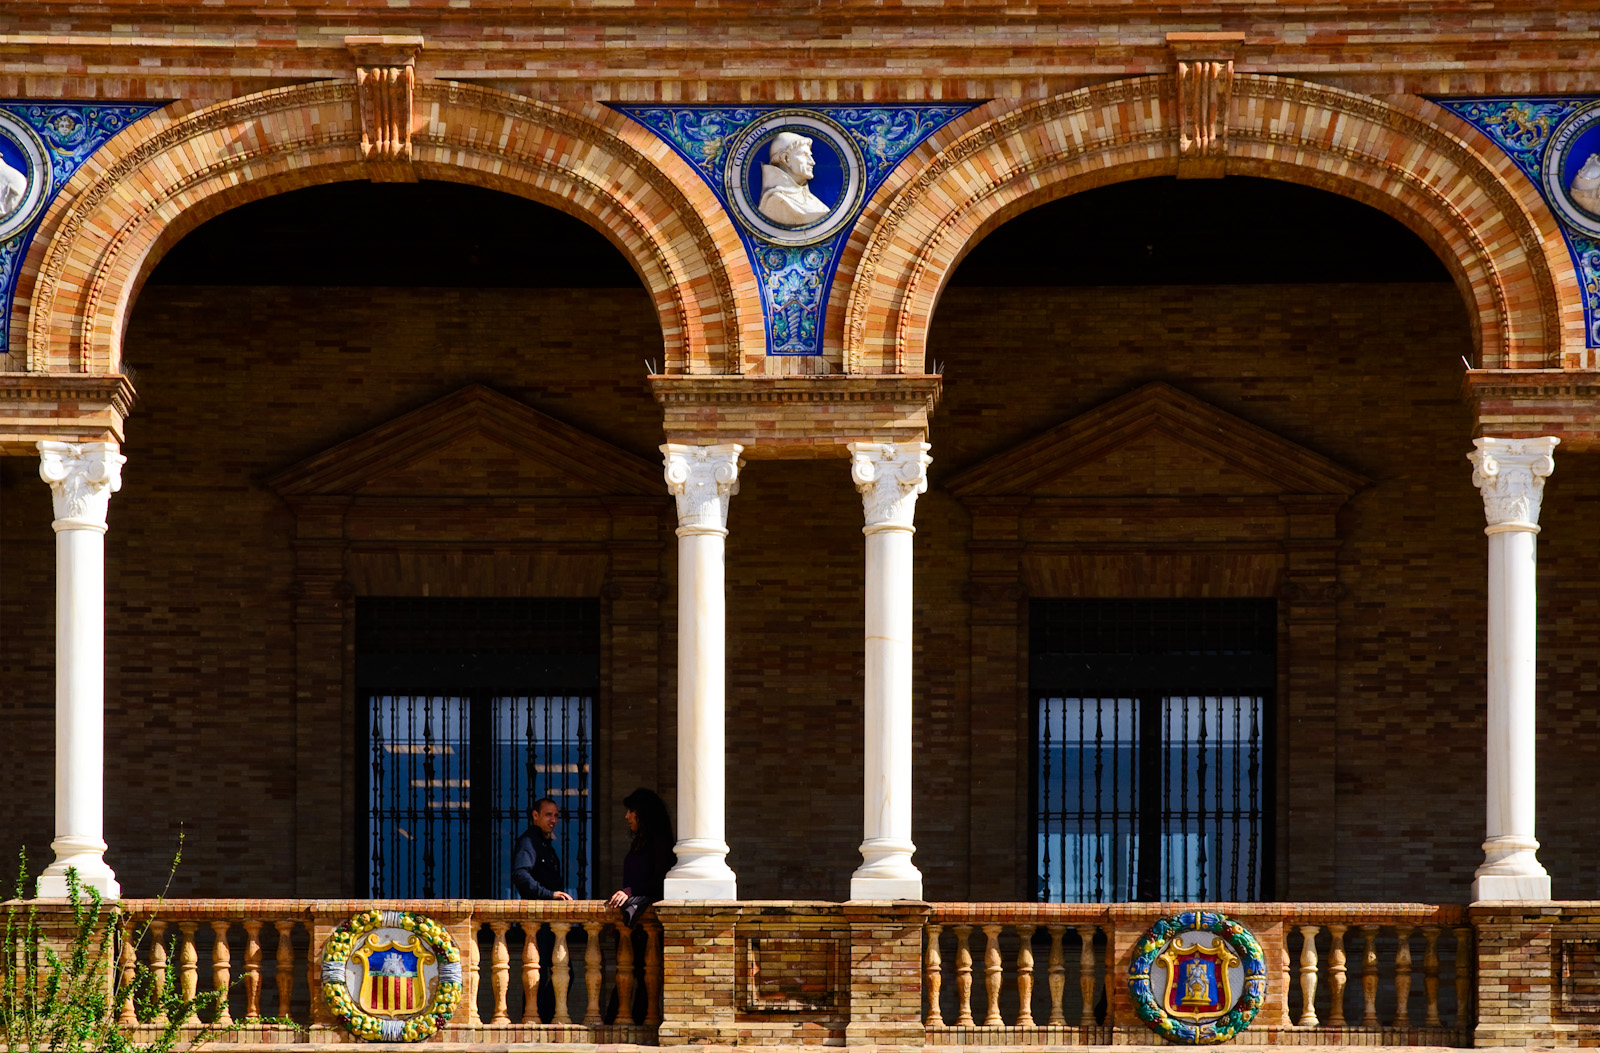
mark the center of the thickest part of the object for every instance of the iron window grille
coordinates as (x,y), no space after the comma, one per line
(1152,773)
(472,710)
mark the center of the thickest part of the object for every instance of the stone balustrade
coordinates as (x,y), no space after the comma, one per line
(906,973)
(1338,973)
(532,970)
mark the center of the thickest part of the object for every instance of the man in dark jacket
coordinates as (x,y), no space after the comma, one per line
(535,867)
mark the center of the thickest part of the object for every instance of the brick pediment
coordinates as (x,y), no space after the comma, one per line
(1156,441)
(475,441)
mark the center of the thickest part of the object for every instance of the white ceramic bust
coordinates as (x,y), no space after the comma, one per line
(13,188)
(1585,188)
(785,198)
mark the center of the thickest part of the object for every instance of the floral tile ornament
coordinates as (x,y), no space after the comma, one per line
(1555,141)
(42,145)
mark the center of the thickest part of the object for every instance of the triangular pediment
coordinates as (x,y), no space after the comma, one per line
(1156,441)
(475,441)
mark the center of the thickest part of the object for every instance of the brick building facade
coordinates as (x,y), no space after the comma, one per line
(296,447)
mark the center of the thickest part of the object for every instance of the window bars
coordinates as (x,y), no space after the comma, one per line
(473,710)
(1152,764)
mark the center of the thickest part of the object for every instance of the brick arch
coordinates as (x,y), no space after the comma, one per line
(180,166)
(1414,161)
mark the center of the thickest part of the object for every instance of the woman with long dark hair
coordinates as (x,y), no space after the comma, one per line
(650,855)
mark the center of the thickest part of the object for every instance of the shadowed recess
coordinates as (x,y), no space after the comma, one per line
(1239,230)
(396,234)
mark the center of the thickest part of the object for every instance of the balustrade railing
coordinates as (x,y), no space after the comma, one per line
(1042,977)
(1344,973)
(532,970)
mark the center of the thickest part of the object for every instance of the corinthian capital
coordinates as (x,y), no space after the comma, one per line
(1511,473)
(889,476)
(702,478)
(82,478)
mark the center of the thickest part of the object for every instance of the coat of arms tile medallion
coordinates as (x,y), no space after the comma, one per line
(1197,977)
(391,975)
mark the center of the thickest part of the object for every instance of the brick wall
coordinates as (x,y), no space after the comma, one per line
(237,384)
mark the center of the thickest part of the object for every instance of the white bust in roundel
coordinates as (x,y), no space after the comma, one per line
(1585,188)
(785,198)
(13,188)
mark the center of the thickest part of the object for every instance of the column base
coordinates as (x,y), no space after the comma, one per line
(886,871)
(1511,871)
(86,858)
(886,888)
(693,890)
(1519,888)
(702,872)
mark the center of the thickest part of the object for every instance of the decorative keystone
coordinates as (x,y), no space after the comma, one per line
(1204,96)
(385,84)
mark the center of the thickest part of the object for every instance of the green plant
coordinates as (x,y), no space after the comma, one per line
(61,992)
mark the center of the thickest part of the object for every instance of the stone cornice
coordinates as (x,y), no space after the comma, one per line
(921,388)
(70,407)
(796,416)
(114,390)
(1530,384)
(1526,403)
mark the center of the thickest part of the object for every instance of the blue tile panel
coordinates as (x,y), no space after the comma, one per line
(70,132)
(1522,126)
(795,279)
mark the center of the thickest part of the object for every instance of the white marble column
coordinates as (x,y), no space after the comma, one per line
(82,479)
(889,477)
(702,478)
(1511,474)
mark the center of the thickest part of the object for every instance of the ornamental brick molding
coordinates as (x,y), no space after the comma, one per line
(182,165)
(1410,159)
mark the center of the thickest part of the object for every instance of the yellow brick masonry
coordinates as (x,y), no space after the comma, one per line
(186,163)
(822,50)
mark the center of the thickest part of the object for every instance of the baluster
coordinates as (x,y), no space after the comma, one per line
(1308,976)
(931,971)
(473,974)
(1086,933)
(1058,977)
(1025,976)
(992,974)
(652,973)
(188,959)
(608,981)
(500,972)
(1284,968)
(158,968)
(1369,975)
(964,974)
(624,974)
(1110,966)
(1464,955)
(285,967)
(591,971)
(1336,970)
(1430,974)
(252,970)
(561,970)
(127,958)
(221,969)
(530,973)
(1402,976)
